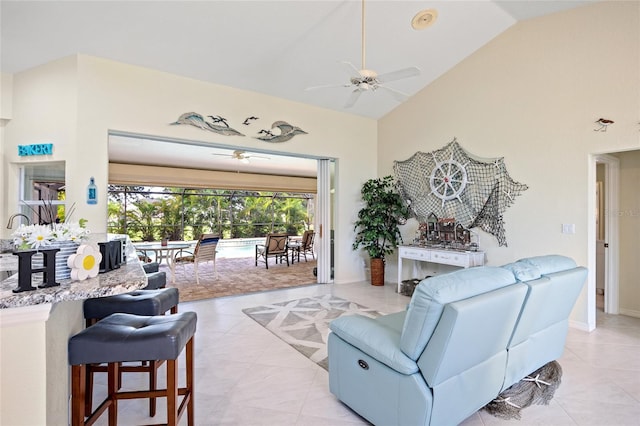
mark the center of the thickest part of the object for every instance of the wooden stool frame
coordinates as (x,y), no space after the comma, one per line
(172,391)
(150,367)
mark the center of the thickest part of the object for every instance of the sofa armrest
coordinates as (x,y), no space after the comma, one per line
(376,340)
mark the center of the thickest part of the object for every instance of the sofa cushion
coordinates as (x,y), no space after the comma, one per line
(430,296)
(523,271)
(377,337)
(550,263)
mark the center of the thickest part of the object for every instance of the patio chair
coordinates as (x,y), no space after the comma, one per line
(205,251)
(305,246)
(275,246)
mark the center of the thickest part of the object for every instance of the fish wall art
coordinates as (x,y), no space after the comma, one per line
(280,131)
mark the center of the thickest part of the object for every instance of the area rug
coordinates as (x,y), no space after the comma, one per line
(304,323)
(238,276)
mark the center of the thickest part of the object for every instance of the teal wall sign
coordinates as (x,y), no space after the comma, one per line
(35,149)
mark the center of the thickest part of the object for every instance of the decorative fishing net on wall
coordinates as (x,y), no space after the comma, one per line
(451,183)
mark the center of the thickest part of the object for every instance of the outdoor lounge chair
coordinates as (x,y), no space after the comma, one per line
(304,247)
(276,245)
(205,251)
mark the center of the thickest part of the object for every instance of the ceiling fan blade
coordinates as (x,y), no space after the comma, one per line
(223,155)
(257,157)
(397,95)
(326,86)
(397,75)
(352,69)
(353,98)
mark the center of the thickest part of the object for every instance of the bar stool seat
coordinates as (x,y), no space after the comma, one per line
(138,302)
(124,337)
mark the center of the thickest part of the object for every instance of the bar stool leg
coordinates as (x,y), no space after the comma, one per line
(112,389)
(190,383)
(153,365)
(172,392)
(88,399)
(78,390)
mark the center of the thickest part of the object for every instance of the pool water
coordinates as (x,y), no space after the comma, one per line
(238,247)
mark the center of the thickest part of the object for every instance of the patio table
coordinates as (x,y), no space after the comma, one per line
(161,252)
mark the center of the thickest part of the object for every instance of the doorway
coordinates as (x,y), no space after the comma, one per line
(236,163)
(603,242)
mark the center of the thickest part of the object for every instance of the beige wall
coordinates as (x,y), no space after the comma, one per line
(629,222)
(77,100)
(532,95)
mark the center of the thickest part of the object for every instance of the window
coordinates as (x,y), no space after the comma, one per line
(42,194)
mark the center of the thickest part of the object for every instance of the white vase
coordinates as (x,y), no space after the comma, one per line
(67,248)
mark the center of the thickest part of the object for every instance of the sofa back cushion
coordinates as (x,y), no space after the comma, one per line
(432,294)
(466,356)
(549,264)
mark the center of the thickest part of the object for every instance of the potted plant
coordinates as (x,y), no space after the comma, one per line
(377,224)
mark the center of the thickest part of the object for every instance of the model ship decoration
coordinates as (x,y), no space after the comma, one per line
(286,132)
(445,233)
(449,182)
(212,123)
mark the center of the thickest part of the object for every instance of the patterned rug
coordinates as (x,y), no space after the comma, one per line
(304,323)
(238,276)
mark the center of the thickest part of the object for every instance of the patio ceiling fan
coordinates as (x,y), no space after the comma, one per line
(366,80)
(242,156)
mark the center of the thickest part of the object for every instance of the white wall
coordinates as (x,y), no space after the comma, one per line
(629,224)
(532,95)
(6,112)
(74,102)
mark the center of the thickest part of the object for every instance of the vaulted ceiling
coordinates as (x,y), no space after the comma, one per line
(278,48)
(274,47)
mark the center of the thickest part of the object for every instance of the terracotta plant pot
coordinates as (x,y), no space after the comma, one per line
(377,271)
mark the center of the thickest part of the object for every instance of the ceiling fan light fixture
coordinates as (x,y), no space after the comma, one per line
(424,19)
(368,74)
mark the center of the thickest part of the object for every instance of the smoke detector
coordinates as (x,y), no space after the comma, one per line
(424,19)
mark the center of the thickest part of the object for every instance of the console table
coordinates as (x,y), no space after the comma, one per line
(461,258)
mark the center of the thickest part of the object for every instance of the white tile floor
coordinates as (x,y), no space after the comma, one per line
(247,376)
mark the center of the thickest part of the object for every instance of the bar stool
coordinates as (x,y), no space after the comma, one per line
(139,302)
(155,278)
(123,338)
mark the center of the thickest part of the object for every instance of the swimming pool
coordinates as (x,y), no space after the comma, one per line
(238,247)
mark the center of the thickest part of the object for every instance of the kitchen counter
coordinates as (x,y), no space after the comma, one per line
(35,327)
(128,277)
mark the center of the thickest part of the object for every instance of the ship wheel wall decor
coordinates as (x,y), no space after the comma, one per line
(450,182)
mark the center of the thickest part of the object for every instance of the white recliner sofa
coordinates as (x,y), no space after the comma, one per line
(464,338)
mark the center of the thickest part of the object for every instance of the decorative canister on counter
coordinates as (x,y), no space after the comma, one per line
(67,248)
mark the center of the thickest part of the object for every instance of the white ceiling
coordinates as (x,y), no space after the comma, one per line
(277,48)
(193,155)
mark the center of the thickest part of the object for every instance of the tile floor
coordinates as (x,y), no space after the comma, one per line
(247,376)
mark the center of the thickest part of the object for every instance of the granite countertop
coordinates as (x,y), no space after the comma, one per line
(130,276)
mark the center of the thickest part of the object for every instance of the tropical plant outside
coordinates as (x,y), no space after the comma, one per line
(151,214)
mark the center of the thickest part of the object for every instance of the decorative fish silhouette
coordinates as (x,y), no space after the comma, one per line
(197,120)
(287,131)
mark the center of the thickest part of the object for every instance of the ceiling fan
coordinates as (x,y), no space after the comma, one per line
(242,156)
(364,80)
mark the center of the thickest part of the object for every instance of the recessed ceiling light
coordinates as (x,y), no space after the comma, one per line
(424,18)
